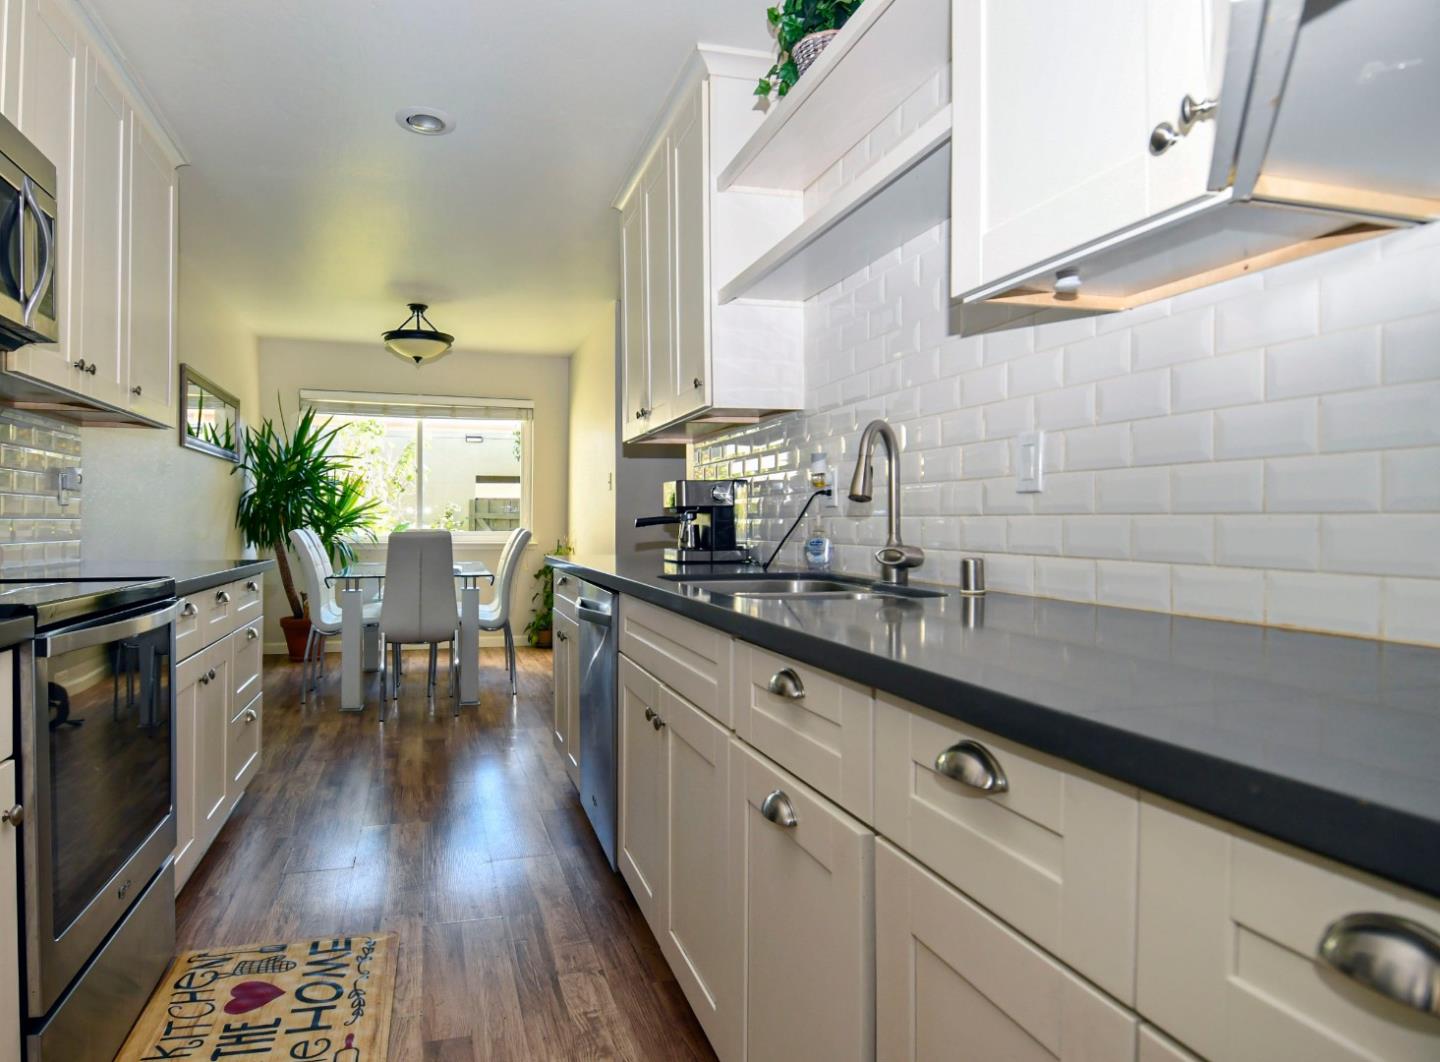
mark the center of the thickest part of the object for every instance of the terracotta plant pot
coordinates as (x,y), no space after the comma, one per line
(543,639)
(297,632)
(808,48)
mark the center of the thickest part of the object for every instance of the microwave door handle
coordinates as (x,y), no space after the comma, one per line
(66,641)
(20,224)
(47,248)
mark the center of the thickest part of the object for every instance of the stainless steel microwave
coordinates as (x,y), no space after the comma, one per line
(29,248)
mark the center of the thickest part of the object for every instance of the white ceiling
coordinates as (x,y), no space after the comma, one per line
(320,217)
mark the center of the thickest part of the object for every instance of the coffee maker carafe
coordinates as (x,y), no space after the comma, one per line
(704,509)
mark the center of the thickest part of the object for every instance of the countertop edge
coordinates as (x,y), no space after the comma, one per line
(15,632)
(194,584)
(1387,842)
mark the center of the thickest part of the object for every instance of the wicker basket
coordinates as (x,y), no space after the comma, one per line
(808,48)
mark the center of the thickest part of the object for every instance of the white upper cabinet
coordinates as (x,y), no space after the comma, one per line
(1109,154)
(150,348)
(116,233)
(690,363)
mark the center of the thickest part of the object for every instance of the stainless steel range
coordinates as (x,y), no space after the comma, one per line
(96,759)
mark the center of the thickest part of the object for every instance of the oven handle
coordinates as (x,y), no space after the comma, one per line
(65,641)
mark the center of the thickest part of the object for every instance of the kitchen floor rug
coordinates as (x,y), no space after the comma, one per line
(324,1000)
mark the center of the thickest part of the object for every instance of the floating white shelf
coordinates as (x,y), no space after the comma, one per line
(887,50)
(902,195)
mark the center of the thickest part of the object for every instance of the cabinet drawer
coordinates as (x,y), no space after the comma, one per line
(567,593)
(217,611)
(952,981)
(248,655)
(807,891)
(1053,853)
(190,636)
(242,748)
(248,598)
(1230,925)
(7,704)
(689,657)
(819,726)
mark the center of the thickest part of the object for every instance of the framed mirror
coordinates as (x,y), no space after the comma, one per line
(209,416)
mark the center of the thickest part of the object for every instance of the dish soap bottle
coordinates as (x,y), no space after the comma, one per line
(817,548)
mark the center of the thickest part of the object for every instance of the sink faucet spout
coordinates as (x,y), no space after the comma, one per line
(895,558)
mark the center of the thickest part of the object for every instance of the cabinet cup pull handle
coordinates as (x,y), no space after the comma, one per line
(13,815)
(786,683)
(777,808)
(1393,956)
(250,635)
(252,586)
(223,597)
(971,763)
(188,610)
(250,716)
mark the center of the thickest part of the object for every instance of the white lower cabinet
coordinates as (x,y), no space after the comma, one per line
(805,872)
(640,850)
(1230,927)
(218,709)
(565,725)
(954,982)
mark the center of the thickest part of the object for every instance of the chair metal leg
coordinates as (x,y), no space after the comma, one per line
(305,664)
(395,682)
(510,652)
(320,669)
(454,680)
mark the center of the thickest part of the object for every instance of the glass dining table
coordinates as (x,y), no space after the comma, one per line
(352,585)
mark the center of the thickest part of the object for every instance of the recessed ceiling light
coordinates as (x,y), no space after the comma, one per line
(427,121)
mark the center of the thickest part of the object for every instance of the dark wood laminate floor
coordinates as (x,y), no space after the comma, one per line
(464,837)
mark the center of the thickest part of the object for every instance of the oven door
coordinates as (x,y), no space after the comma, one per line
(98,748)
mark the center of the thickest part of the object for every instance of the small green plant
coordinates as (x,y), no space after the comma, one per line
(792,20)
(544,618)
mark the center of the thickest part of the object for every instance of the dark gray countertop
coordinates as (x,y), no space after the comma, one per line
(1328,743)
(191,576)
(15,631)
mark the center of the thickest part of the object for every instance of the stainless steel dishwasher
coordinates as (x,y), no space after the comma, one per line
(599,722)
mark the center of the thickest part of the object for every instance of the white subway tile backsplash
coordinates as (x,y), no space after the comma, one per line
(1346,604)
(1131,397)
(1268,430)
(1268,541)
(1265,450)
(1232,380)
(1323,484)
(1131,584)
(1392,544)
(1176,338)
(1172,440)
(1107,447)
(1381,418)
(1225,593)
(1224,487)
(1334,361)
(1132,490)
(1267,317)
(1412,481)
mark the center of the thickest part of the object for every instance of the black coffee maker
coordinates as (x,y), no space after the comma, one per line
(704,509)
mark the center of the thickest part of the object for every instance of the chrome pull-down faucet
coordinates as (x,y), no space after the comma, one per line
(895,558)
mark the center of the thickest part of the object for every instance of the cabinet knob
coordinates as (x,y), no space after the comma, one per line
(250,635)
(777,808)
(86,366)
(971,763)
(250,716)
(649,715)
(252,586)
(1163,137)
(13,815)
(1393,956)
(223,597)
(785,683)
(562,636)
(699,382)
(188,610)
(657,722)
(137,390)
(1193,110)
(204,679)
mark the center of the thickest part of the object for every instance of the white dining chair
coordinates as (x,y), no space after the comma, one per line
(495,615)
(419,606)
(324,612)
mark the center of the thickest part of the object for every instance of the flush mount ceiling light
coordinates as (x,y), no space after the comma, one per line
(427,121)
(417,340)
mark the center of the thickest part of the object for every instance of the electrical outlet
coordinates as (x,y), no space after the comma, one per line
(832,503)
(1030,462)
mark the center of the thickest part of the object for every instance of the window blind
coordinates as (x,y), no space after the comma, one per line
(424,407)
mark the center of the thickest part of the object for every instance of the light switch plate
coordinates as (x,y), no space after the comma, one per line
(1030,462)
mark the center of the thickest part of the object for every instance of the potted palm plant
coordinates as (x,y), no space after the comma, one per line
(802,30)
(293,480)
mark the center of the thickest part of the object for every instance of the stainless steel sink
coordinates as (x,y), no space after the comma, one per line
(789,585)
